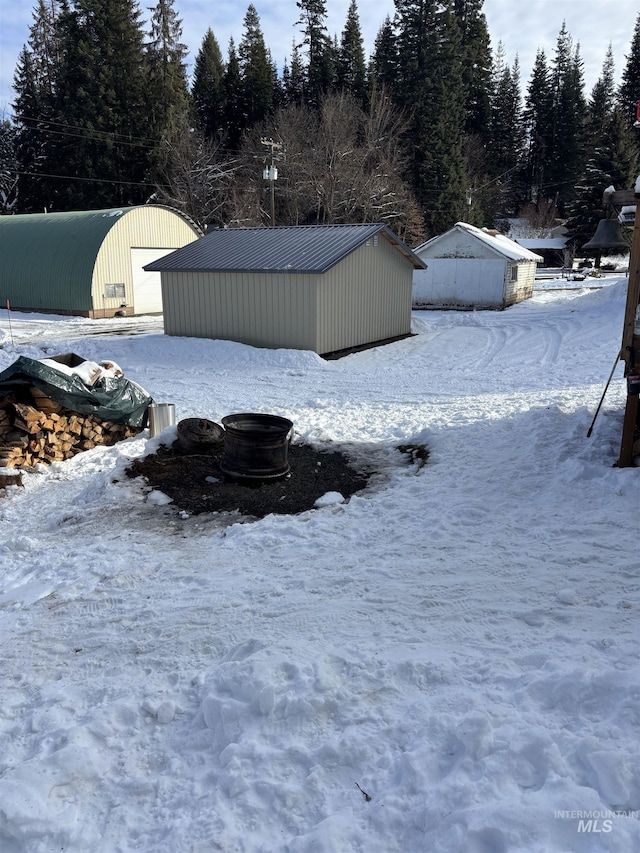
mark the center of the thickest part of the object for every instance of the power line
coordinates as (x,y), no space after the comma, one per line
(96,135)
(92,180)
(109,134)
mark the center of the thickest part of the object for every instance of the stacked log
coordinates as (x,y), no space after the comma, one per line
(36,429)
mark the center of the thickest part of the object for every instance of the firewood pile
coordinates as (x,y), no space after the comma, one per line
(36,429)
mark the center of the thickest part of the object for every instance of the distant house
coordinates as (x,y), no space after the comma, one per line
(469,267)
(89,262)
(554,251)
(324,288)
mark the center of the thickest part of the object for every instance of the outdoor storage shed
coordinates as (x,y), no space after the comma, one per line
(468,267)
(324,288)
(91,262)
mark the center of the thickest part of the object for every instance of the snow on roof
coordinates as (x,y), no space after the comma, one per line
(496,241)
(532,243)
(500,243)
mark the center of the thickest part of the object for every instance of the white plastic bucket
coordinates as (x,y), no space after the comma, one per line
(161,416)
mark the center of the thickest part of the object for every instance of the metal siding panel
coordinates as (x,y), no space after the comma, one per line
(366,298)
(259,310)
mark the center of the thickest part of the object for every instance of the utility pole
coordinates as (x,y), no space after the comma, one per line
(630,350)
(270,173)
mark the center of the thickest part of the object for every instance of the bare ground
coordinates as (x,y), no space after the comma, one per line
(196,484)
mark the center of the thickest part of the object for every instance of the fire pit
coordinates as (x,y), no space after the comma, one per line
(255,446)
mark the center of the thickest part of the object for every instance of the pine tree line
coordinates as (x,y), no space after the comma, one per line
(432,129)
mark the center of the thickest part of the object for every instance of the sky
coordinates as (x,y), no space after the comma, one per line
(447,661)
(521,27)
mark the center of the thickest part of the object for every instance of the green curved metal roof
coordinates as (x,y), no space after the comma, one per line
(45,253)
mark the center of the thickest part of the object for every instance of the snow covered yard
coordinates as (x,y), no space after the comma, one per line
(448,663)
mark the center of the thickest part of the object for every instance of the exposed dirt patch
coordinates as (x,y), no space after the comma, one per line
(196,484)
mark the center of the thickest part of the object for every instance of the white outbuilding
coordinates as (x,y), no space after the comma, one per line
(469,267)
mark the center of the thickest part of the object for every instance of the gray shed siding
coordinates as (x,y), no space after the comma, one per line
(259,309)
(365,298)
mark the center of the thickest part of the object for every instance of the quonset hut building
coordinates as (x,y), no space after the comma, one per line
(89,263)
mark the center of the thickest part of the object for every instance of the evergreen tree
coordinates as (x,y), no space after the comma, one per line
(613,162)
(430,87)
(476,65)
(567,142)
(168,89)
(383,65)
(629,92)
(601,105)
(538,122)
(351,73)
(34,83)
(319,75)
(506,133)
(101,94)
(233,99)
(602,100)
(255,70)
(276,83)
(207,91)
(293,78)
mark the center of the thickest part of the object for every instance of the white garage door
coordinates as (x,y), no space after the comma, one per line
(147,294)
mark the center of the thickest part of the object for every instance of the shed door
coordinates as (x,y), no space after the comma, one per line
(147,293)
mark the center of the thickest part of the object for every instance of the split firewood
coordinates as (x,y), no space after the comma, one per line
(43,401)
(32,432)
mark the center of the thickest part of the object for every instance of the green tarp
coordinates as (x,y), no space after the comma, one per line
(113,399)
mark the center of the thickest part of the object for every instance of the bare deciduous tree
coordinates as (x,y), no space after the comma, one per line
(8,168)
(338,164)
(196,177)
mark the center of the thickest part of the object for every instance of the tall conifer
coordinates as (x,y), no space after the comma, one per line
(567,141)
(255,71)
(312,20)
(101,94)
(351,75)
(430,88)
(476,65)
(383,65)
(233,99)
(538,120)
(629,92)
(168,90)
(294,79)
(506,133)
(207,92)
(34,82)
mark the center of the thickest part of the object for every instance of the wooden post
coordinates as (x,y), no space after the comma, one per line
(630,350)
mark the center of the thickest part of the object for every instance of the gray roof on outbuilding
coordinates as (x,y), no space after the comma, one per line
(281,249)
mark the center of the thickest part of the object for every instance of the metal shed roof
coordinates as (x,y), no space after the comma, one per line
(282,249)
